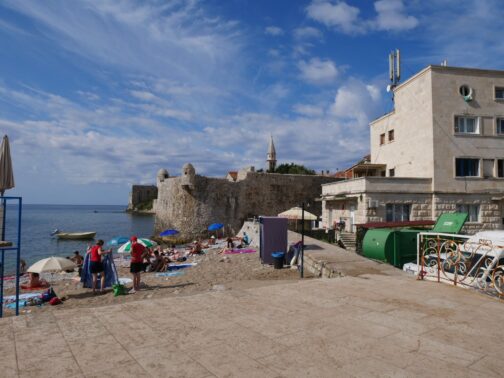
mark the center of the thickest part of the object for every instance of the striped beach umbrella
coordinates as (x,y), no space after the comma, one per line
(126,248)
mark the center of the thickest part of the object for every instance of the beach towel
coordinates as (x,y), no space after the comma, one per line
(238,251)
(108,267)
(181,266)
(12,298)
(170,274)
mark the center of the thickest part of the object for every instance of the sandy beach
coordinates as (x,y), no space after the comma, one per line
(212,272)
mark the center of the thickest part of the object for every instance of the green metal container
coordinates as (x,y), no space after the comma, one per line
(396,247)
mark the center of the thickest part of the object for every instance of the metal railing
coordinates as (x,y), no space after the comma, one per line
(460,261)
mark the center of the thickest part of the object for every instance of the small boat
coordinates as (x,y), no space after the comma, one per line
(75,235)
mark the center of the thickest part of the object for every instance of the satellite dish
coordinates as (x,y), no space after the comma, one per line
(389,88)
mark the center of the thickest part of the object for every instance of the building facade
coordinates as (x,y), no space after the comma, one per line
(440,150)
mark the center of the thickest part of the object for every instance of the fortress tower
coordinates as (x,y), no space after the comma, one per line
(271,156)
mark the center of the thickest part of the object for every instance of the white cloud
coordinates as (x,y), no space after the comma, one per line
(274,30)
(308,110)
(356,101)
(339,15)
(307,32)
(391,15)
(318,71)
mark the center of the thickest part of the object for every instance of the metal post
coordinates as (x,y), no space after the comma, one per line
(1,282)
(302,239)
(2,258)
(18,259)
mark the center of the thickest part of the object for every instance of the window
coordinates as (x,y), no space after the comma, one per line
(466,125)
(472,210)
(391,135)
(500,168)
(500,126)
(499,93)
(467,167)
(397,212)
(382,139)
(488,168)
(391,172)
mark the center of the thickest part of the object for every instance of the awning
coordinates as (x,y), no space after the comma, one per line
(332,198)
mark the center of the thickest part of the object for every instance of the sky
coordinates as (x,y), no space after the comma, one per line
(98,95)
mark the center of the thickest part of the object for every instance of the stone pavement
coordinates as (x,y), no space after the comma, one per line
(329,260)
(364,326)
(374,321)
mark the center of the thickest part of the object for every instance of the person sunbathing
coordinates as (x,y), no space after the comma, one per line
(158,263)
(196,249)
(35,282)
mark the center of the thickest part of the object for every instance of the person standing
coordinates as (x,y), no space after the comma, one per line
(136,267)
(96,265)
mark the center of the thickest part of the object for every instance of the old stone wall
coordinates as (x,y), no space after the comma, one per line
(190,203)
(489,211)
(140,194)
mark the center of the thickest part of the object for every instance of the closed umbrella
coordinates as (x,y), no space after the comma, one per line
(126,248)
(6,172)
(52,265)
(168,233)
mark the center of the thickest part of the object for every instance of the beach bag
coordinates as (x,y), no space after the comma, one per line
(48,295)
(55,301)
(118,289)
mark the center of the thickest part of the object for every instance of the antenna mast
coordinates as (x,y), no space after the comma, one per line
(394,70)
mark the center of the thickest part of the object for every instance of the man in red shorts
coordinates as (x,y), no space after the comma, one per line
(136,267)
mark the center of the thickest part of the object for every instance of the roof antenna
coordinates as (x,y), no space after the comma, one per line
(394,71)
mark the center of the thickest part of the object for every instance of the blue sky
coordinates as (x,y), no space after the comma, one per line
(97,95)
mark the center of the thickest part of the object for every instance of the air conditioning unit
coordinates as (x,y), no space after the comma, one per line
(372,204)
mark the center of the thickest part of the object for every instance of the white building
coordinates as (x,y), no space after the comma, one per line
(440,150)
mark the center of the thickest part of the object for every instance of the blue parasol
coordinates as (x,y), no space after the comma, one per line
(118,240)
(168,233)
(215,226)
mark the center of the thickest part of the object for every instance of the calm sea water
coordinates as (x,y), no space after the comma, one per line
(38,221)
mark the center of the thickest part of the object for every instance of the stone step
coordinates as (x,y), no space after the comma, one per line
(320,268)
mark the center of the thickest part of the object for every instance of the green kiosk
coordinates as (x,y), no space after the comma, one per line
(399,246)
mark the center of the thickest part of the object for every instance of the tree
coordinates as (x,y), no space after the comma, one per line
(294,169)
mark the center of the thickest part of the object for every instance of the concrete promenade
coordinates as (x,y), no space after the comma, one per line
(378,324)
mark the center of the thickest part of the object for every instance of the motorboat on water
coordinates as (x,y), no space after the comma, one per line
(74,235)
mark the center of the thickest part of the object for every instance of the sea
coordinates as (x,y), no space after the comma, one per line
(38,221)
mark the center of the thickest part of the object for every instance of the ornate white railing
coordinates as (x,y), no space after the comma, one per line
(456,259)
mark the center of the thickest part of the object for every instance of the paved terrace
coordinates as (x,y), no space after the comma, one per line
(382,323)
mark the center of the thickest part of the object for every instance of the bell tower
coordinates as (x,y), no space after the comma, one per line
(271,155)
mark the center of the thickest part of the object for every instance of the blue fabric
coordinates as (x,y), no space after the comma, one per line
(215,226)
(108,267)
(168,233)
(170,274)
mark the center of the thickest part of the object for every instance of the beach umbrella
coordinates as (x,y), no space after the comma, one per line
(296,214)
(215,226)
(118,240)
(168,233)
(6,172)
(126,248)
(52,265)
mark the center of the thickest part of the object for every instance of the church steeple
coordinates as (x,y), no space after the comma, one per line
(271,156)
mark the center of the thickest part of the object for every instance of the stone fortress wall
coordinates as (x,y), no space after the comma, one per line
(190,202)
(140,194)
